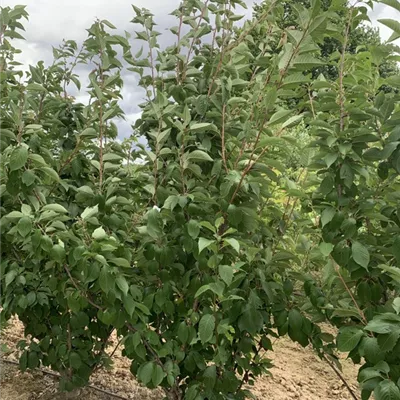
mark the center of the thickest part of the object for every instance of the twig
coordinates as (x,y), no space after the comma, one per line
(342,97)
(246,373)
(251,164)
(153,77)
(237,42)
(101,128)
(102,351)
(147,345)
(55,375)
(362,315)
(116,347)
(311,104)
(223,138)
(80,289)
(341,377)
(69,343)
(203,10)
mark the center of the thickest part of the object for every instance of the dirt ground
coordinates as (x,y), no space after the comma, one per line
(297,374)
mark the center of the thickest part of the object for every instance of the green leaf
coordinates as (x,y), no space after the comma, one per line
(50,173)
(154,224)
(387,341)
(108,23)
(90,133)
(75,360)
(202,290)
(204,243)
(33,360)
(387,390)
(122,284)
(90,212)
(106,281)
(384,323)
(372,351)
(215,287)
(6,133)
(15,214)
(392,24)
(307,61)
(35,87)
(24,226)
(206,328)
(142,308)
(10,276)
(145,372)
(251,320)
(360,254)
(157,375)
(396,305)
(129,304)
(233,243)
(348,338)
(28,177)
(292,121)
(57,253)
(210,377)
(199,155)
(99,234)
(330,158)
(183,332)
(295,319)
(326,248)
(193,228)
(327,215)
(202,126)
(58,208)
(18,158)
(226,273)
(120,262)
(279,117)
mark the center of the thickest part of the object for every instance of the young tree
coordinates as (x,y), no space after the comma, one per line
(177,255)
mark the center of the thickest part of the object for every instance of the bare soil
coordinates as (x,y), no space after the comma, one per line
(297,374)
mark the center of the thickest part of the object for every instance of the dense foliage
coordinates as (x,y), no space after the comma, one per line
(221,239)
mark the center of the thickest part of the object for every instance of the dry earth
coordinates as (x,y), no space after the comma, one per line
(297,374)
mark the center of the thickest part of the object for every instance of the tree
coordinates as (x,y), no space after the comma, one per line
(178,255)
(361,36)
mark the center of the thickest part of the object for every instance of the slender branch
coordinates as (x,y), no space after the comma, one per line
(101,127)
(182,152)
(116,347)
(237,42)
(203,10)
(342,97)
(311,104)
(20,122)
(153,78)
(361,313)
(246,373)
(175,390)
(250,165)
(341,377)
(81,290)
(69,344)
(223,139)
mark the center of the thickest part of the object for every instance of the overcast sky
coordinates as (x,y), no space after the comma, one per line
(50,21)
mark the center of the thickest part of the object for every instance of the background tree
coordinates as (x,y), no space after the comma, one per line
(362,35)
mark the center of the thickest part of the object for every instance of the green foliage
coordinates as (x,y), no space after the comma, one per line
(196,257)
